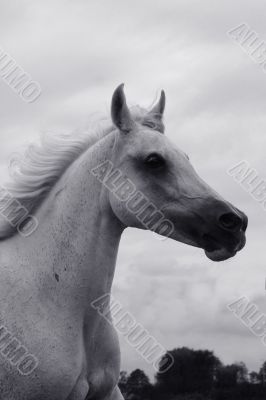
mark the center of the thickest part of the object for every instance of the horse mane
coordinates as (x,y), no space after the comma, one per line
(36,171)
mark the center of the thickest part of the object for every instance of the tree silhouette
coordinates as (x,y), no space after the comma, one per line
(192,371)
(136,386)
(196,375)
(262,374)
(123,378)
(230,376)
(254,378)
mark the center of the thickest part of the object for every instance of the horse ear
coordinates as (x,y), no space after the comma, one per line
(154,118)
(158,110)
(120,113)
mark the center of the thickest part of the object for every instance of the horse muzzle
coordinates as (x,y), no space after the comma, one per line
(228,238)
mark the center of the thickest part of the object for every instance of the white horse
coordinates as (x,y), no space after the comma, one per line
(81,193)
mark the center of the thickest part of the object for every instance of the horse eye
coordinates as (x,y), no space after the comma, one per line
(154,161)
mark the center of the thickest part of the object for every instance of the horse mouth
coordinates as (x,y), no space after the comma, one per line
(220,254)
(216,252)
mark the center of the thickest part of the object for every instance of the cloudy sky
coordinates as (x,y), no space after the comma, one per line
(79,51)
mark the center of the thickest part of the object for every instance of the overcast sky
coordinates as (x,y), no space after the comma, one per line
(79,51)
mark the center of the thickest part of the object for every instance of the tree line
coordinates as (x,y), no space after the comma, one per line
(196,375)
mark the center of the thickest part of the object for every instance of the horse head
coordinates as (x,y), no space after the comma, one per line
(157,179)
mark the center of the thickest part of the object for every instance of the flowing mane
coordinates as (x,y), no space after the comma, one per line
(39,168)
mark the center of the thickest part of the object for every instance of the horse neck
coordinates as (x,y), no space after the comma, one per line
(76,243)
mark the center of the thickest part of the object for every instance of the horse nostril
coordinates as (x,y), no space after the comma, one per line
(230,221)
